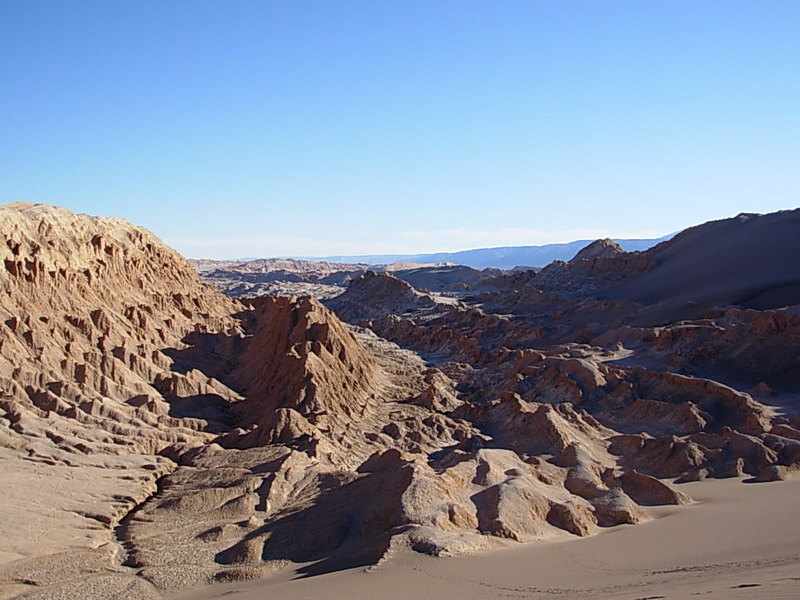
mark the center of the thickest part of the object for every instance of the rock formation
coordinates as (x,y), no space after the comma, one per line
(373,295)
(605,248)
(91,310)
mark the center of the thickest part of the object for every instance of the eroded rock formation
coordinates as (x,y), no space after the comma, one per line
(158,435)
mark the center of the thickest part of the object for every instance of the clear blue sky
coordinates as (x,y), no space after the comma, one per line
(330,127)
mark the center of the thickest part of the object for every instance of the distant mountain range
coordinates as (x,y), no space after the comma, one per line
(505,257)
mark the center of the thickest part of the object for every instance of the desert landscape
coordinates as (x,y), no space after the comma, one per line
(619,425)
(450,300)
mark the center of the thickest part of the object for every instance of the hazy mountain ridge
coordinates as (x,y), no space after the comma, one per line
(442,272)
(501,257)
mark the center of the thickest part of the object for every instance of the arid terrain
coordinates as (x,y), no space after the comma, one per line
(323,280)
(158,436)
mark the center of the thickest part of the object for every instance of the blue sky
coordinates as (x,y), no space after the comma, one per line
(374,126)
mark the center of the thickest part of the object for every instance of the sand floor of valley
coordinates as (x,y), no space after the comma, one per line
(738,540)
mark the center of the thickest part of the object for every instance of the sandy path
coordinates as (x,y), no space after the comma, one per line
(738,541)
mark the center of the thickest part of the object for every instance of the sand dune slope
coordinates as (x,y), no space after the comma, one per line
(737,541)
(750,260)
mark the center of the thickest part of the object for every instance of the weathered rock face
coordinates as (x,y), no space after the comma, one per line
(91,308)
(90,312)
(301,370)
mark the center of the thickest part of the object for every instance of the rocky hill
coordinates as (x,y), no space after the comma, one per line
(91,309)
(605,248)
(744,261)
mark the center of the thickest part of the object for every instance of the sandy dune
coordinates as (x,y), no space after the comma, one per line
(746,260)
(737,541)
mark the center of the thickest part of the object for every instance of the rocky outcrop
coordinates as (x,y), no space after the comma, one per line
(605,248)
(301,365)
(374,295)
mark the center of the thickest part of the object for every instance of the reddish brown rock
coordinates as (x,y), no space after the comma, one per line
(646,490)
(302,359)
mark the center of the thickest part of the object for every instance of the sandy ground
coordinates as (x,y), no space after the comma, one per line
(737,541)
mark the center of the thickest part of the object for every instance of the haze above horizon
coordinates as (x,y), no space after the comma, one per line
(320,128)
